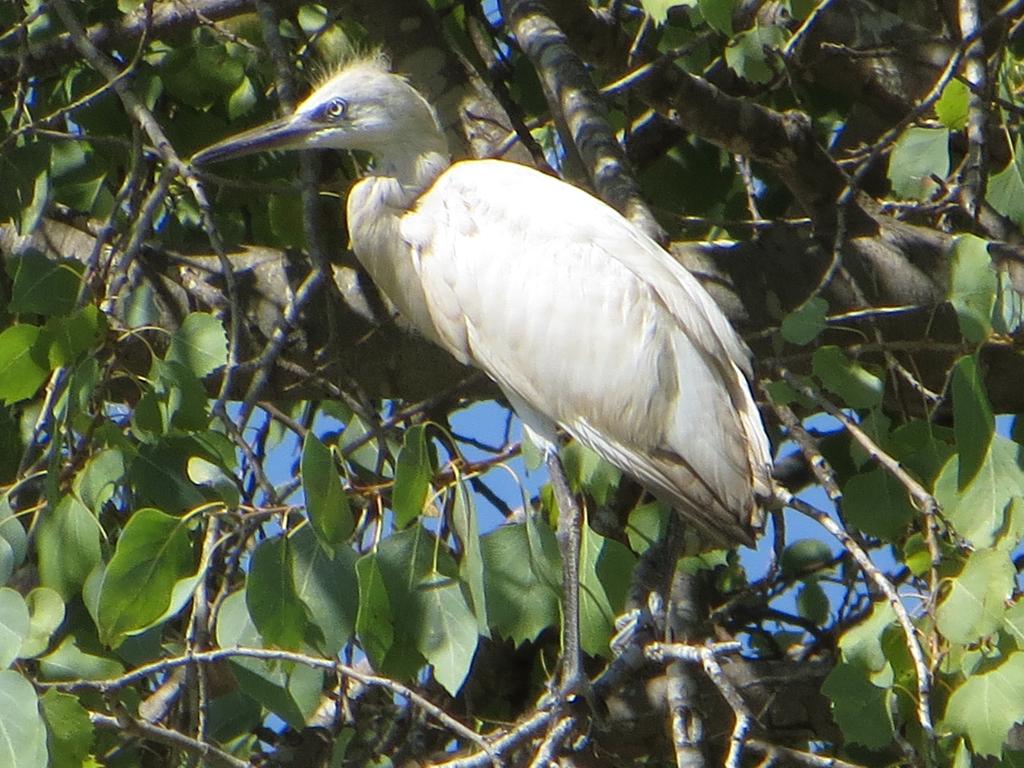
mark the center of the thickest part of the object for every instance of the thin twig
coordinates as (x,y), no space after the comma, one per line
(167,736)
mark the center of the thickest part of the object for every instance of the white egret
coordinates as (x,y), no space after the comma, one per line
(584,322)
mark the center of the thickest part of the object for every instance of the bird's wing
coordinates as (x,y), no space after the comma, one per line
(576,313)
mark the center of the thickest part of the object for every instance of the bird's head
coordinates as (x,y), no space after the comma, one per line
(361,106)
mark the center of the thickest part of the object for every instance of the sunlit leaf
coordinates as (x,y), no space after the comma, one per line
(22,731)
(69,729)
(1006,188)
(974,607)
(987,705)
(22,363)
(14,625)
(951,108)
(978,510)
(200,344)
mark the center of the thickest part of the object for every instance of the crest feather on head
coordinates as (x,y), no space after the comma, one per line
(374,58)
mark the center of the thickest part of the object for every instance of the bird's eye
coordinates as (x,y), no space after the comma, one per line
(335,109)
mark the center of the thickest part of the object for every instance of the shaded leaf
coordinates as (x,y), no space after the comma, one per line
(804,556)
(374,622)
(325,582)
(861,709)
(878,504)
(803,324)
(919,154)
(972,287)
(68,546)
(471,565)
(266,682)
(848,379)
(326,501)
(413,473)
(153,554)
(521,601)
(973,422)
(271,598)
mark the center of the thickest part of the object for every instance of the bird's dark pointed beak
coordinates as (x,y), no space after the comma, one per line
(285,133)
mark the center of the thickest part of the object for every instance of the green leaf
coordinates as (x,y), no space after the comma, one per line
(812,603)
(153,554)
(803,324)
(69,730)
(1013,623)
(292,692)
(878,504)
(325,582)
(69,662)
(987,705)
(242,99)
(522,601)
(857,387)
(14,625)
(200,344)
(413,473)
(46,611)
(718,15)
(374,622)
(22,731)
(1008,313)
(658,9)
(471,565)
(860,708)
(326,502)
(751,54)
(973,609)
(271,598)
(159,472)
(804,556)
(862,644)
(972,287)
(589,473)
(919,154)
(67,338)
(606,567)
(647,525)
(22,371)
(1006,188)
(427,603)
(951,108)
(43,286)
(68,543)
(978,511)
(922,447)
(101,478)
(973,422)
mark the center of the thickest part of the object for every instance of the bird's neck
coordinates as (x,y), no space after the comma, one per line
(414,168)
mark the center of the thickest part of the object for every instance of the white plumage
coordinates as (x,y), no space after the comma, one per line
(582,320)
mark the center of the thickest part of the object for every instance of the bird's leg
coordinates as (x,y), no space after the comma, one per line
(570,536)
